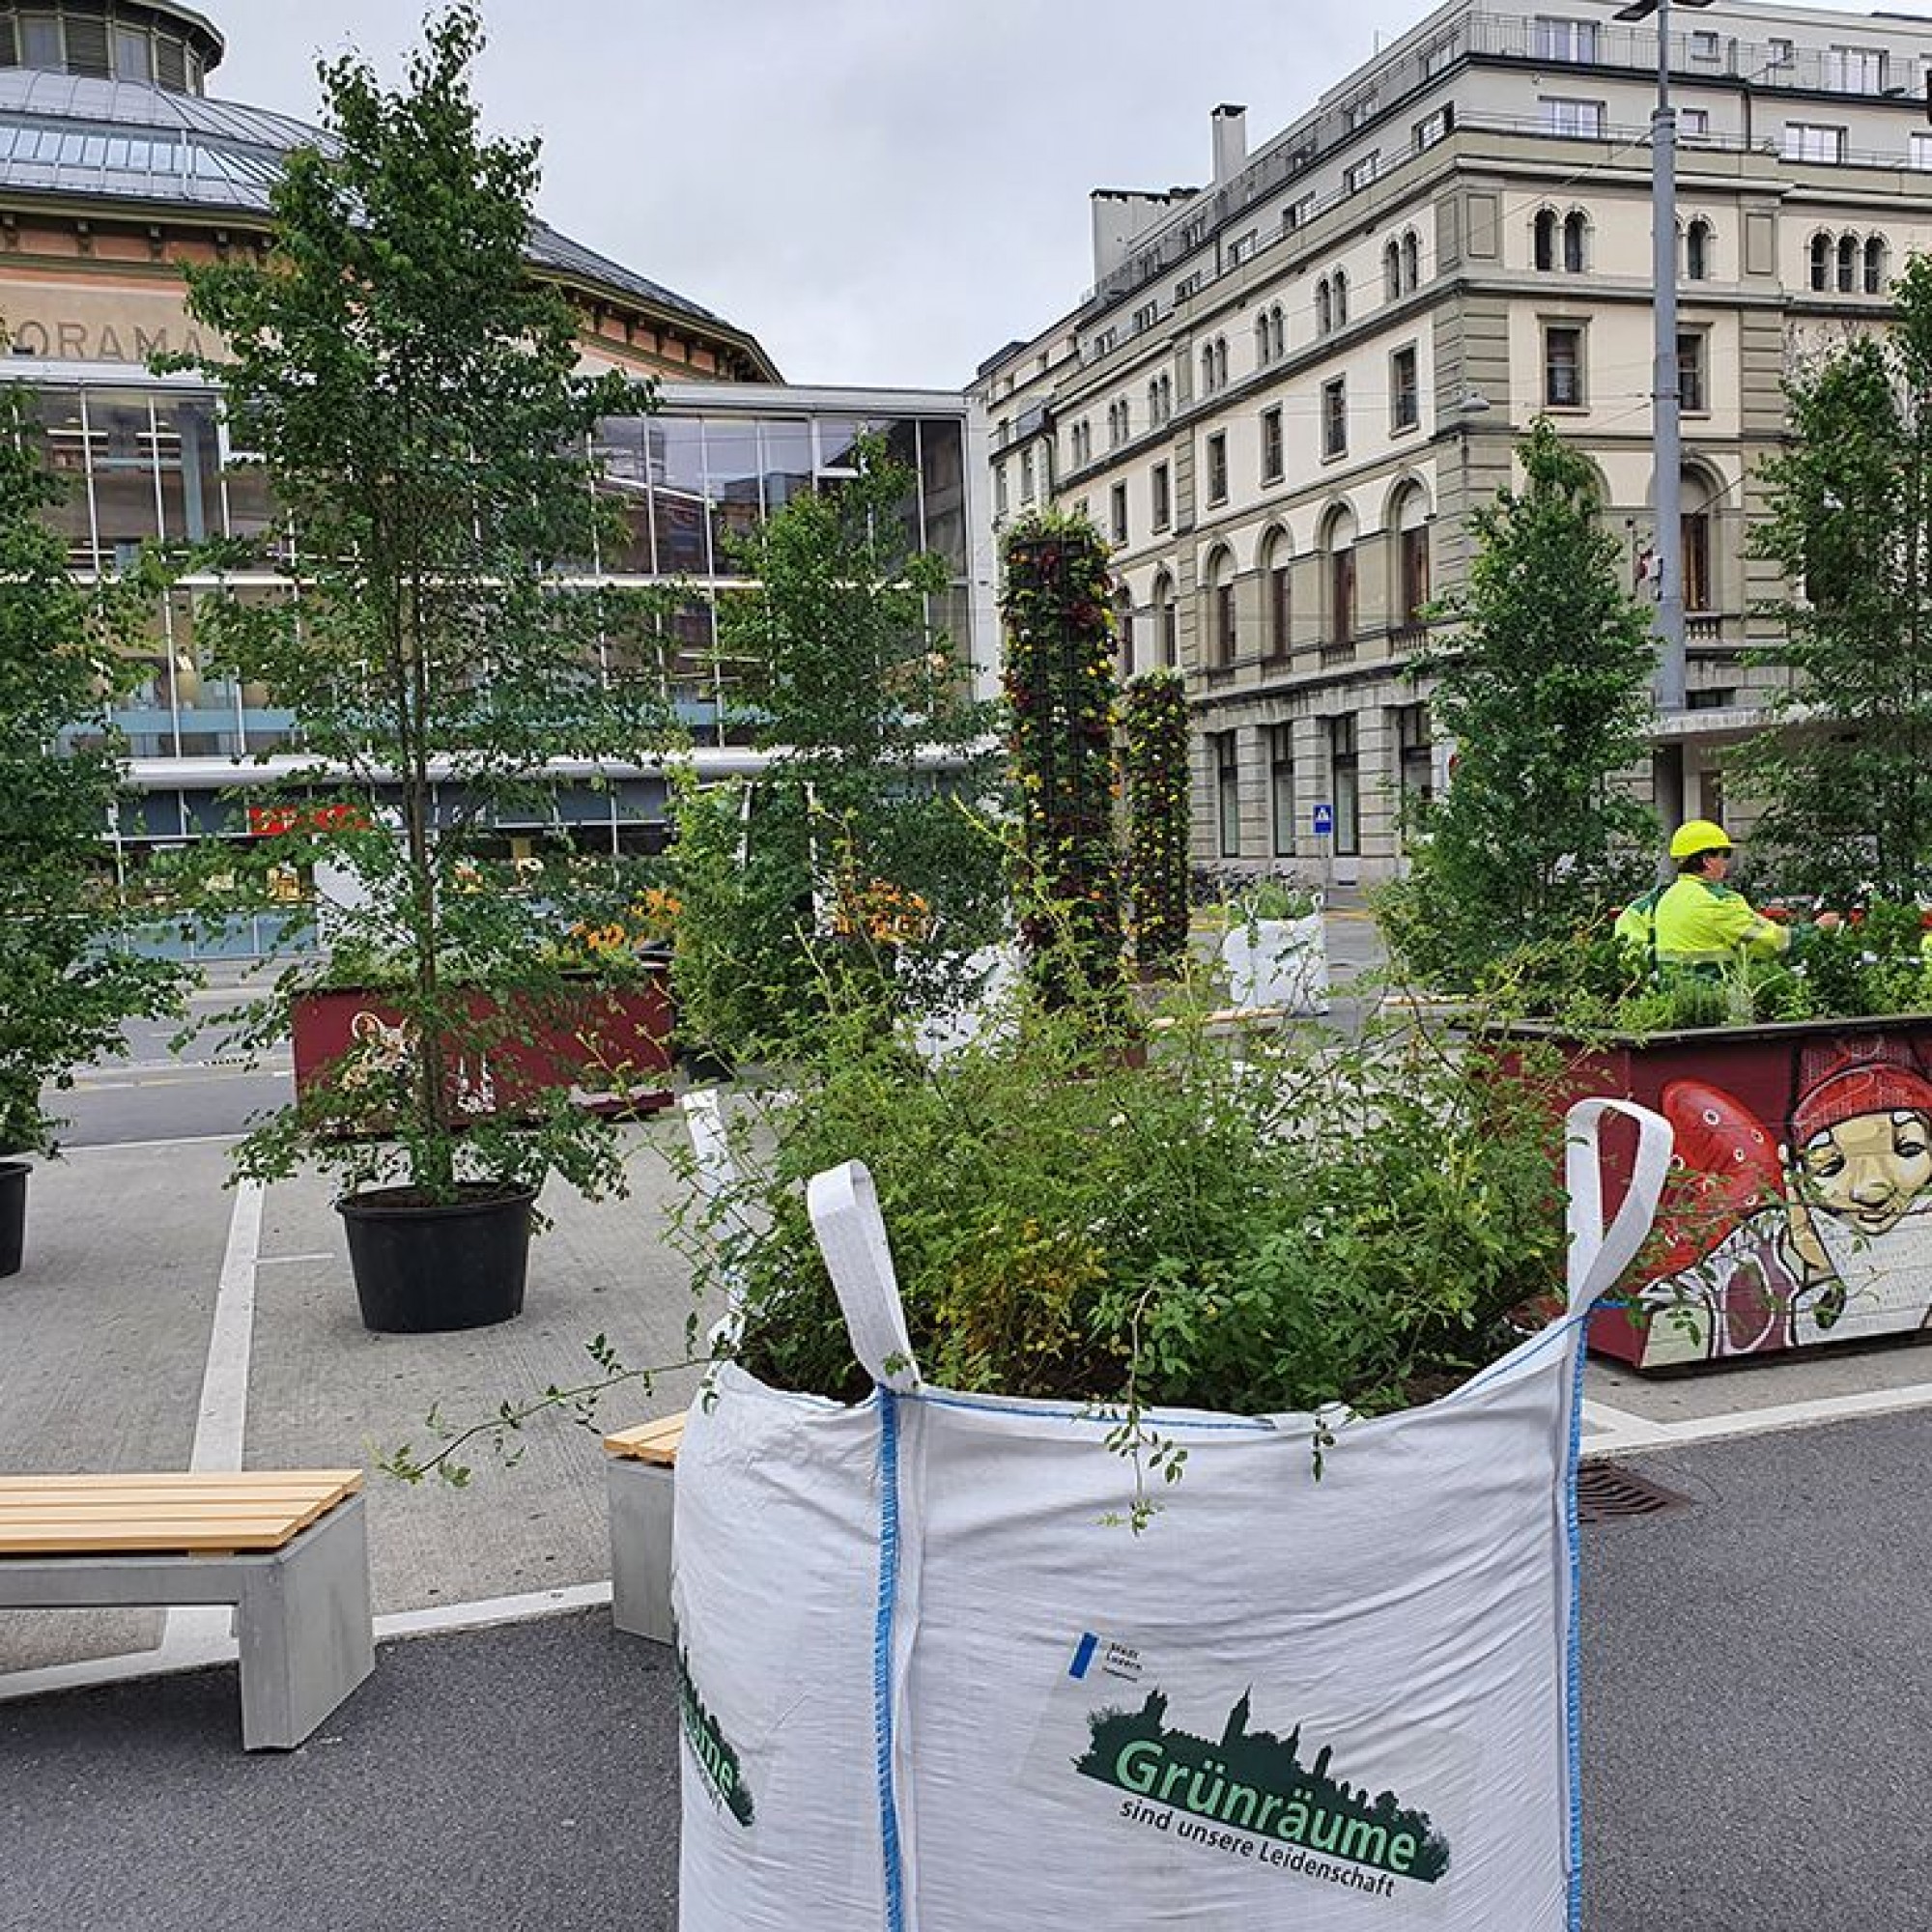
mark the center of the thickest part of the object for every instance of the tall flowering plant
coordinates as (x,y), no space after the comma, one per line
(1059,681)
(1154,713)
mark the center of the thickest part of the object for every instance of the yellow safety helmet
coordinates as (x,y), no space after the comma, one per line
(1698,834)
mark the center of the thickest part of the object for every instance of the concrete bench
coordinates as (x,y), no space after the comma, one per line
(641,1479)
(288,1549)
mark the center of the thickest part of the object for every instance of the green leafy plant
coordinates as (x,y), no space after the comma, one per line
(1159,778)
(1059,681)
(69,972)
(415,396)
(1541,674)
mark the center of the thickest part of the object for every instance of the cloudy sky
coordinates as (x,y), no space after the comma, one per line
(883,192)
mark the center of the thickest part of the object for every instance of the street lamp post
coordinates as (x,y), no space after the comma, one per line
(1667,432)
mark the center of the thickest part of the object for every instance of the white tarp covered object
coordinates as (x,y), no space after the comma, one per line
(926,1687)
(1277,964)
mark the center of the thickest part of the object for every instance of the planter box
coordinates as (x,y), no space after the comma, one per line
(1277,965)
(1800,1212)
(598,1030)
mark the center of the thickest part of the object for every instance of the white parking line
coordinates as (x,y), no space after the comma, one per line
(1618,1438)
(222,1422)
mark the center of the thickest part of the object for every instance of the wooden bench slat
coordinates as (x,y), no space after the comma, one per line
(649,1442)
(190,1514)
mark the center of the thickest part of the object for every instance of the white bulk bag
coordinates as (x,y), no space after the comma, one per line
(926,1689)
(1277,964)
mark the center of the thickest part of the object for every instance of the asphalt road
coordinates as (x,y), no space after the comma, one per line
(1757,1747)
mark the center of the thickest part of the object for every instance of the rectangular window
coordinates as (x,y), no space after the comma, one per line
(1811,141)
(1921,154)
(1361,110)
(1416,756)
(1361,173)
(1696,529)
(1217,467)
(1694,123)
(1000,490)
(1186,286)
(1161,508)
(1342,597)
(1692,396)
(1854,69)
(1345,776)
(1412,566)
(1026,476)
(1227,630)
(1436,58)
(1572,117)
(1405,390)
(1280,606)
(1428,131)
(1117,507)
(133,54)
(1228,793)
(1563,366)
(1146,316)
(1281,790)
(41,43)
(1704,46)
(1566,40)
(1300,213)
(1781,53)
(1271,456)
(1241,247)
(1335,417)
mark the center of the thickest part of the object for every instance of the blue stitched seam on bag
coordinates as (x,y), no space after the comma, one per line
(1572,1717)
(882,1653)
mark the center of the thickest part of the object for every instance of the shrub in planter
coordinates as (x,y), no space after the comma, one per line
(903,1625)
(418,401)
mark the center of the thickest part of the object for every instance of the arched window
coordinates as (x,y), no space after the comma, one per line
(1264,341)
(1207,368)
(1392,270)
(1223,639)
(1574,231)
(1220,362)
(1166,622)
(1277,332)
(1546,238)
(1154,401)
(1338,545)
(1875,265)
(1698,239)
(1324,308)
(1408,556)
(1276,603)
(1123,624)
(1341,297)
(1698,493)
(1821,261)
(1848,265)
(1411,261)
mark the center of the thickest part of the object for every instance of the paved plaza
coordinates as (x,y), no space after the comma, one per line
(1758,1736)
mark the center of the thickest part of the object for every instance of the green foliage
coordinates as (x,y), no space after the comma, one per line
(1059,680)
(1159,780)
(416,395)
(1543,681)
(875,743)
(1845,782)
(1332,1220)
(68,974)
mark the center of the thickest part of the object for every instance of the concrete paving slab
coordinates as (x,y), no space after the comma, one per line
(102,1338)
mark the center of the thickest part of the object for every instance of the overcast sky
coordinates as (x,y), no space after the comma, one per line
(882,192)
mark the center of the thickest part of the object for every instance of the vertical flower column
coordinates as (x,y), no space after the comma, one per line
(1154,713)
(1060,686)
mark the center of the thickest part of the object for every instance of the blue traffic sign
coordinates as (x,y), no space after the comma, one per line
(1325,821)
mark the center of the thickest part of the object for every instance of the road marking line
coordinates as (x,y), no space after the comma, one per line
(288,1261)
(222,1422)
(68,1149)
(1602,1418)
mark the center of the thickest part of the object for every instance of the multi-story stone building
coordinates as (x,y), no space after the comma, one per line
(1287,391)
(116,169)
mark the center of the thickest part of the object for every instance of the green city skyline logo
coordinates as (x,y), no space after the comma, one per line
(716,1758)
(1255,1782)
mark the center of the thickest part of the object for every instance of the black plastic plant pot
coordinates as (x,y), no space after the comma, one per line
(424,1267)
(13,1215)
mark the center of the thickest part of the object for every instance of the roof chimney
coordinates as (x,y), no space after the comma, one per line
(1231,142)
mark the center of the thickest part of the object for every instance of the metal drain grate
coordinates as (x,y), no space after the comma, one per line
(1607,1493)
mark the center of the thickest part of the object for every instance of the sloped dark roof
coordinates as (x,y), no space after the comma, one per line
(120,140)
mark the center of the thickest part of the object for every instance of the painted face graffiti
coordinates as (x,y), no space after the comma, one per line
(1868,1170)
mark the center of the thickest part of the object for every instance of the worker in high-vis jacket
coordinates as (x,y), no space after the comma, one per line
(1697,922)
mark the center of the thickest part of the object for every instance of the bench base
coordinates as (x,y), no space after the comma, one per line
(302,1617)
(642,1497)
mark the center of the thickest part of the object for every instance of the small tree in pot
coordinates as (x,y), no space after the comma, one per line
(68,975)
(416,397)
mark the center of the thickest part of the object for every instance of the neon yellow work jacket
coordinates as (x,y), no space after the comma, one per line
(1699,922)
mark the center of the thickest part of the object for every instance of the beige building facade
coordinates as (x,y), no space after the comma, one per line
(1287,390)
